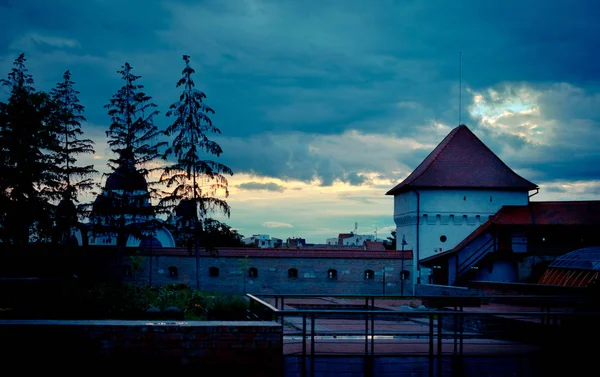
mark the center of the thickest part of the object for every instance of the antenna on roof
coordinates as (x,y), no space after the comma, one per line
(459,87)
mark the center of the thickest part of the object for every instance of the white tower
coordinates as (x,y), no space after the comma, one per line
(458,186)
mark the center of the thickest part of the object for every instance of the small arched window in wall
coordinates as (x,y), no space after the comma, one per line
(464,198)
(293,273)
(404,275)
(490,198)
(126,271)
(438,219)
(332,274)
(369,275)
(213,272)
(173,272)
(253,272)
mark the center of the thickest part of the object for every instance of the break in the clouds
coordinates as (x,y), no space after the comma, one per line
(338,94)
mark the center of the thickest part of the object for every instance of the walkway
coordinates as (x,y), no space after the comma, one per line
(404,335)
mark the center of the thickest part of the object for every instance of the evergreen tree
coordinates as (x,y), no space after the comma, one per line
(27,174)
(73,178)
(194,179)
(127,208)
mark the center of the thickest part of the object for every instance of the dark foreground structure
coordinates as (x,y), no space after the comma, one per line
(304,335)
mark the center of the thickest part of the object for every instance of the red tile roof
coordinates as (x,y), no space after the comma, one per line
(461,160)
(551,213)
(345,235)
(374,246)
(536,213)
(293,253)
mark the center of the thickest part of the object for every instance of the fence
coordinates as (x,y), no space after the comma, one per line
(452,327)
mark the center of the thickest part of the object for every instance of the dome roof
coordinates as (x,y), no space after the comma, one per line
(185,209)
(126,177)
(66,209)
(122,179)
(103,205)
(150,242)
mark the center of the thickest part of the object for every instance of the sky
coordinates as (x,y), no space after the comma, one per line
(326,105)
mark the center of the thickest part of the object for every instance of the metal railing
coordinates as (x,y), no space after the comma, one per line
(457,323)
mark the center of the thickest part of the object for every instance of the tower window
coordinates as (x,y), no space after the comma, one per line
(213,272)
(173,272)
(404,274)
(293,273)
(369,275)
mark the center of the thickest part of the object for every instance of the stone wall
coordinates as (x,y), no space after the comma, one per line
(105,264)
(273,274)
(256,348)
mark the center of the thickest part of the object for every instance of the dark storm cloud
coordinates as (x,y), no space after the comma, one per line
(280,74)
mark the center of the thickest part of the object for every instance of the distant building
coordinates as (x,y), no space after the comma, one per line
(350,239)
(295,242)
(373,246)
(263,241)
(467,216)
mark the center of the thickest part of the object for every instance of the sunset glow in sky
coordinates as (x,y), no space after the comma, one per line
(326,105)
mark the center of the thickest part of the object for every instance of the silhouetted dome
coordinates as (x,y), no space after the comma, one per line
(66,209)
(126,177)
(150,242)
(185,209)
(103,205)
(124,180)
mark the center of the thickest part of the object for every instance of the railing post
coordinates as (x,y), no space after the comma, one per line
(455,329)
(372,334)
(312,345)
(431,335)
(367,333)
(462,324)
(304,345)
(439,335)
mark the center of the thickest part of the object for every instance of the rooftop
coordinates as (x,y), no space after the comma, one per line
(536,213)
(461,160)
(293,253)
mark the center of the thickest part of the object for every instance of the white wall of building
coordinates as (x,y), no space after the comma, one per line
(452,213)
(261,240)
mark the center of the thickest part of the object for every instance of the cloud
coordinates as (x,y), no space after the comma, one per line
(26,42)
(262,186)
(322,106)
(325,158)
(276,224)
(549,130)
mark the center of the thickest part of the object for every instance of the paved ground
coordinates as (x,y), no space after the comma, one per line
(393,337)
